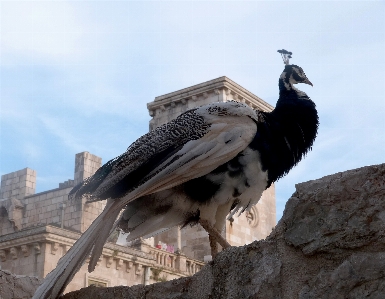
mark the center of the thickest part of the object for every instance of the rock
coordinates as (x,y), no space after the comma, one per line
(329,244)
(17,286)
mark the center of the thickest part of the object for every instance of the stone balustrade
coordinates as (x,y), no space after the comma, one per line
(175,262)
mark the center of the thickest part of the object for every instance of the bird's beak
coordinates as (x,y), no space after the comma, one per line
(308,82)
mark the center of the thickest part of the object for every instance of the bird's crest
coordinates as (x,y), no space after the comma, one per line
(286,55)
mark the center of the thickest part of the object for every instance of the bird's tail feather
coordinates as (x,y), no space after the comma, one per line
(104,233)
(56,281)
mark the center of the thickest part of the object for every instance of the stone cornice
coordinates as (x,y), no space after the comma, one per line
(53,234)
(192,92)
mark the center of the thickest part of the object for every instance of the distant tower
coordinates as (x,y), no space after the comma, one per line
(241,230)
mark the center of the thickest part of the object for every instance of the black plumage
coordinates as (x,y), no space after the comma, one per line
(210,161)
(288,132)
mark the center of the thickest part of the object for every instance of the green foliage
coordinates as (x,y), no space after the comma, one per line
(156,275)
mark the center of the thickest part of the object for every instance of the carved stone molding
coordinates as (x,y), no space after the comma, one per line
(119,264)
(13,253)
(25,250)
(109,261)
(36,247)
(138,269)
(3,256)
(54,248)
(129,266)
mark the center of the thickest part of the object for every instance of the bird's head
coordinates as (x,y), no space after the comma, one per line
(293,74)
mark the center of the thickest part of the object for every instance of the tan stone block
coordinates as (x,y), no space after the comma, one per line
(19,172)
(28,171)
(8,188)
(6,194)
(49,195)
(57,199)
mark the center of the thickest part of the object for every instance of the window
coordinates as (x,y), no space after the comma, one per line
(97,283)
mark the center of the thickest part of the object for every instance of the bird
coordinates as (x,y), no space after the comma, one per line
(203,167)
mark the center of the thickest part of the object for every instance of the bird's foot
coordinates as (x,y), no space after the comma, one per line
(213,246)
(214,233)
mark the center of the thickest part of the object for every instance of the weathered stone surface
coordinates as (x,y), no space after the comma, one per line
(330,244)
(17,286)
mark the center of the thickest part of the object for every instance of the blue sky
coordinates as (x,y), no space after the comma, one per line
(76,75)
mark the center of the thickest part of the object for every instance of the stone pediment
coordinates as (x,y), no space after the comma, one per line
(167,107)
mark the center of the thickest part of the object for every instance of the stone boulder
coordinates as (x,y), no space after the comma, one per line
(330,243)
(17,286)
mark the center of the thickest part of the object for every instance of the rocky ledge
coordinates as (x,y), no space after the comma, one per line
(330,243)
(17,286)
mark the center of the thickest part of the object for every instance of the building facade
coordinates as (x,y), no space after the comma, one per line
(36,229)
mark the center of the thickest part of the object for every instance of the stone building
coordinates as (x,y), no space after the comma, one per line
(36,229)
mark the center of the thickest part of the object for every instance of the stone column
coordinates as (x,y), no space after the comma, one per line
(18,184)
(180,263)
(86,165)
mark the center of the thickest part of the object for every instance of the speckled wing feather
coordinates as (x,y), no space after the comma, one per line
(153,147)
(146,157)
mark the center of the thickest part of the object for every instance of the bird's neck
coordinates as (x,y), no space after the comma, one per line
(294,106)
(288,132)
(288,93)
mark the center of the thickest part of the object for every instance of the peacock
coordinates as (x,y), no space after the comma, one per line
(208,164)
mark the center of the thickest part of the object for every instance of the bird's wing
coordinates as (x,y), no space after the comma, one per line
(190,146)
(229,131)
(193,145)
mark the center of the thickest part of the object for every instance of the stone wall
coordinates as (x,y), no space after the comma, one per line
(329,244)
(21,208)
